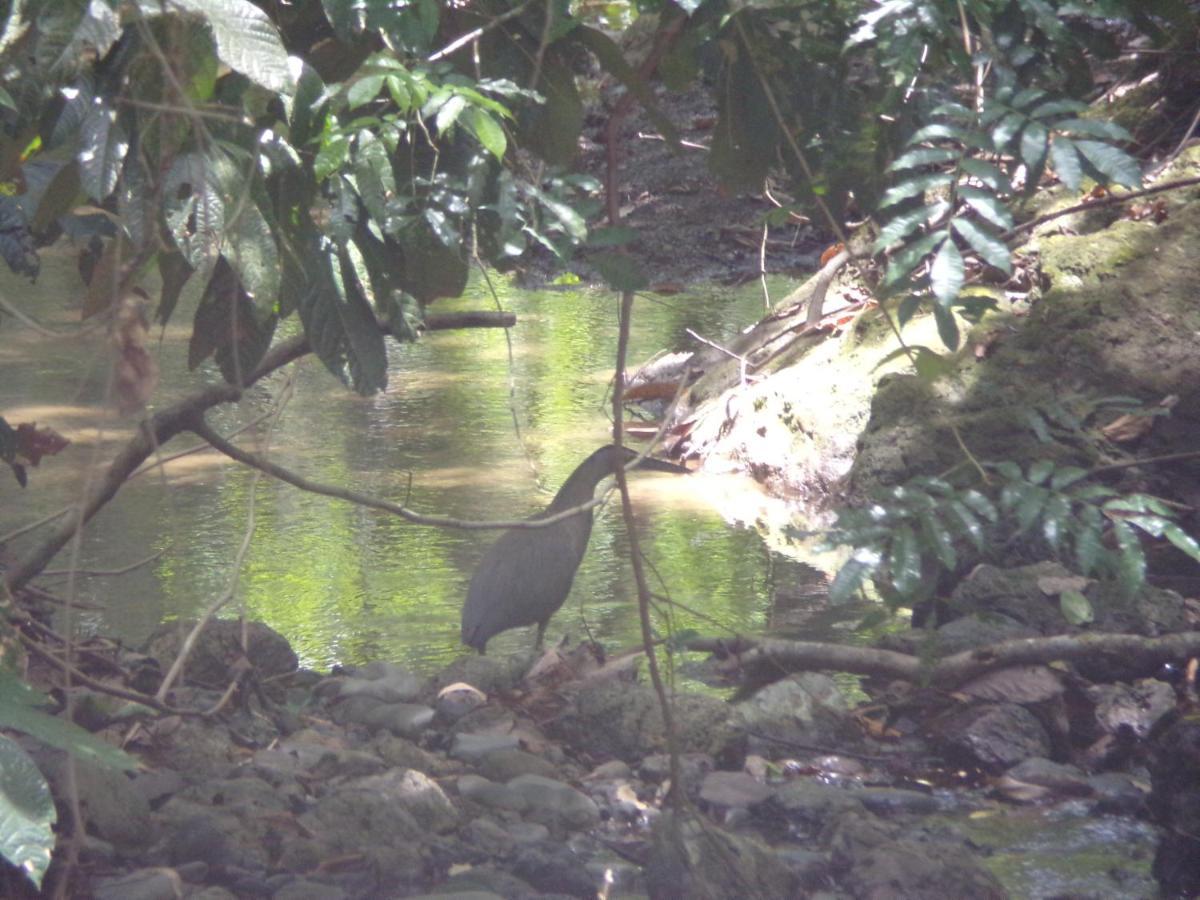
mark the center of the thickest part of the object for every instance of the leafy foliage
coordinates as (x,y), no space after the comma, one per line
(349,187)
(27,813)
(915,531)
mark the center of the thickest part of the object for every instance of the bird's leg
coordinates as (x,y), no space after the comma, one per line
(541,633)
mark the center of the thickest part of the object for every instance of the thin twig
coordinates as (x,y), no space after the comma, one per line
(49,573)
(1110,200)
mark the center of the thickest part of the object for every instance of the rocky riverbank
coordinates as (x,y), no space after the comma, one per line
(520,778)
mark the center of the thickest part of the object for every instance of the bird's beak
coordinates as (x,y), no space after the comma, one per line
(650,464)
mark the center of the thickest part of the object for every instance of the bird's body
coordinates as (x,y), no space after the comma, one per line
(525,576)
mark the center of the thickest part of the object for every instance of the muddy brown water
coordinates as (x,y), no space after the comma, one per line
(347,584)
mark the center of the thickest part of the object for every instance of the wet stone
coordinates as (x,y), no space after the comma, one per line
(490,794)
(143,884)
(1060,777)
(1136,706)
(456,700)
(993,736)
(553,803)
(473,748)
(886,801)
(733,789)
(1118,794)
(507,763)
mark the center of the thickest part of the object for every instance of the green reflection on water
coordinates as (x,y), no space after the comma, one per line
(346,584)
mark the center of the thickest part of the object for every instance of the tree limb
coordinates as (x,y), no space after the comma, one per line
(953,671)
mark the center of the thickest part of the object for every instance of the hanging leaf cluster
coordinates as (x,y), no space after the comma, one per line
(348,184)
(910,534)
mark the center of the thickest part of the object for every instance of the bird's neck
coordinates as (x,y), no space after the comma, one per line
(580,487)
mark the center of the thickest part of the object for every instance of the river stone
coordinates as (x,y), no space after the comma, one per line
(801,709)
(490,674)
(415,793)
(402,753)
(487,793)
(554,868)
(401,719)
(554,804)
(507,763)
(733,789)
(382,680)
(303,889)
(616,718)
(456,700)
(473,748)
(219,646)
(113,807)
(143,884)
(870,861)
(197,750)
(806,807)
(887,801)
(489,836)
(1136,706)
(994,736)
(1118,794)
(1060,777)
(692,858)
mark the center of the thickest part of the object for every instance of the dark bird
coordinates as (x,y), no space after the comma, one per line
(525,576)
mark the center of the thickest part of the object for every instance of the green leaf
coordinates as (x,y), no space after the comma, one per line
(103,145)
(612,237)
(487,131)
(1182,540)
(1067,476)
(991,249)
(849,579)
(916,186)
(980,504)
(904,562)
(363,90)
(1088,546)
(1055,520)
(940,131)
(904,261)
(1131,561)
(1075,607)
(1033,148)
(966,522)
(906,223)
(988,206)
(19,712)
(923,156)
(947,326)
(1097,128)
(931,366)
(1152,525)
(946,273)
(247,40)
(1113,163)
(1040,471)
(938,537)
(1004,130)
(1065,158)
(1029,505)
(985,172)
(27,813)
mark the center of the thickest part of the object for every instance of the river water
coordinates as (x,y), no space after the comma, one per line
(347,584)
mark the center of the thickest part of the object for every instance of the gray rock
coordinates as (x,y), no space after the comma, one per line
(994,736)
(1137,706)
(487,793)
(808,806)
(114,808)
(383,681)
(219,646)
(416,794)
(402,753)
(693,858)
(620,719)
(303,889)
(473,748)
(402,719)
(802,709)
(871,860)
(506,763)
(143,884)
(456,700)
(491,674)
(553,868)
(489,836)
(733,789)
(1118,794)
(554,804)
(212,893)
(1059,777)
(885,801)
(337,765)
